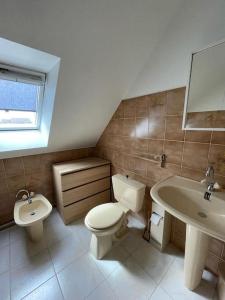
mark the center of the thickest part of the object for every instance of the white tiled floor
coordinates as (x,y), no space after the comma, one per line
(61,267)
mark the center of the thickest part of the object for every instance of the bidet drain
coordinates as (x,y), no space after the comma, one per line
(32,213)
(202,214)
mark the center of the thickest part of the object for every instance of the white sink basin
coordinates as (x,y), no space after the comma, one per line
(32,215)
(184,199)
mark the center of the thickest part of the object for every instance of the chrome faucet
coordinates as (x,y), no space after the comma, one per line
(26,196)
(210,182)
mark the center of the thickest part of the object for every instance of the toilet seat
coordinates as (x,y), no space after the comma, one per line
(104,216)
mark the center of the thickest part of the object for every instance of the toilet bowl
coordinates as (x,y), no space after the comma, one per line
(107,221)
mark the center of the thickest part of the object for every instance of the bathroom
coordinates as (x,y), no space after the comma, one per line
(108,85)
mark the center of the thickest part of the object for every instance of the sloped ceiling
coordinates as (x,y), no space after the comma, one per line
(197,24)
(103,45)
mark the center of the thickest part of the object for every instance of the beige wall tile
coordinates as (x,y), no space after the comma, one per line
(141,145)
(174,128)
(142,127)
(216,247)
(173,151)
(175,101)
(212,262)
(155,146)
(198,136)
(142,107)
(128,127)
(192,174)
(195,156)
(156,127)
(217,158)
(32,163)
(15,183)
(129,108)
(2,169)
(13,166)
(218,137)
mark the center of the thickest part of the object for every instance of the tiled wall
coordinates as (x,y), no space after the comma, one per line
(152,125)
(33,172)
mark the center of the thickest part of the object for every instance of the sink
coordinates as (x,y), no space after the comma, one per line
(184,199)
(32,215)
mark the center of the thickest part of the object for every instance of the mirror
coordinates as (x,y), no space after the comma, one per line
(205,95)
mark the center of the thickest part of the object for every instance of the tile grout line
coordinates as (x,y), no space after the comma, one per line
(210,143)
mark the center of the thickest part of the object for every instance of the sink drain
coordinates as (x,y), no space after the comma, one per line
(202,214)
(33,213)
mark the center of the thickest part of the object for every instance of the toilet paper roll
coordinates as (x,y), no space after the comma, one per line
(156,218)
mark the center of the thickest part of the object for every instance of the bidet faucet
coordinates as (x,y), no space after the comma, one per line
(26,195)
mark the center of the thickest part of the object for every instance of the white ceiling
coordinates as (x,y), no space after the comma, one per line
(103,45)
(197,24)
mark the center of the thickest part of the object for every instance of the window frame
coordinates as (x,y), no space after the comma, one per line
(25,74)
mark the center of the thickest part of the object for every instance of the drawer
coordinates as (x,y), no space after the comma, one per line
(80,208)
(85,191)
(78,178)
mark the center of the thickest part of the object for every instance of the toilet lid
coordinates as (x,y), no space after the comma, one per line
(104,215)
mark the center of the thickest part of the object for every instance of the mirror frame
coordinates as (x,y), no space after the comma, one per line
(188,88)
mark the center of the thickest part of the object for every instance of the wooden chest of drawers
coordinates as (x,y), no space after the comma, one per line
(81,185)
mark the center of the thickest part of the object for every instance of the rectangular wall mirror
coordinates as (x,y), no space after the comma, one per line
(205,95)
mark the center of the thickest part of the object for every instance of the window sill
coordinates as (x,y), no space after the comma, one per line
(21,140)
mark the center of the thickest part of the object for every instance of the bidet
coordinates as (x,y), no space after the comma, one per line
(30,214)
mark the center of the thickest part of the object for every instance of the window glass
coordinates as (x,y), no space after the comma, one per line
(19,104)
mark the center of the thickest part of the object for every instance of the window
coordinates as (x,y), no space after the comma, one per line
(21,94)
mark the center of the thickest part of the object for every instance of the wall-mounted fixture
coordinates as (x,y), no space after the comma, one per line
(205,95)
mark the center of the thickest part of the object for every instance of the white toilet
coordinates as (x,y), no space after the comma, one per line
(106,220)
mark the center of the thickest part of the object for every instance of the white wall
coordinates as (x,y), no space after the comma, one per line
(197,24)
(103,45)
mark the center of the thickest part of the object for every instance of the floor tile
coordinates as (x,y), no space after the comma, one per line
(160,294)
(49,290)
(17,233)
(4,286)
(80,278)
(65,251)
(102,292)
(112,260)
(79,230)
(173,284)
(131,242)
(4,238)
(55,230)
(21,251)
(4,259)
(131,282)
(154,262)
(25,279)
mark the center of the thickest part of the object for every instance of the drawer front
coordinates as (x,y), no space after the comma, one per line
(78,178)
(85,191)
(80,208)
